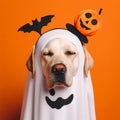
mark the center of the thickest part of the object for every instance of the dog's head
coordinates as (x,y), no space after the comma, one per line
(58,56)
(59,61)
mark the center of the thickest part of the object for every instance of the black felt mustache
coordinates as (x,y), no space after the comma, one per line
(60,102)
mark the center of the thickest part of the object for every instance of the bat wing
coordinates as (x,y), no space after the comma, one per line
(45,20)
(26,28)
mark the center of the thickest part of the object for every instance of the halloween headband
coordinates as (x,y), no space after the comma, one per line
(85,24)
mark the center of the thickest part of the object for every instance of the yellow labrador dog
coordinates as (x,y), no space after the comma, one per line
(59,61)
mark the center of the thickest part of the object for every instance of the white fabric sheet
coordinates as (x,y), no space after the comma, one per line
(35,106)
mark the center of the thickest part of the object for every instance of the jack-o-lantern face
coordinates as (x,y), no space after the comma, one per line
(88,22)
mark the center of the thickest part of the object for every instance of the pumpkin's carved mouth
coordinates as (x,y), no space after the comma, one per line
(83,26)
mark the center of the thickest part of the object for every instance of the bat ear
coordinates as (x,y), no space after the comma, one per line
(31,62)
(88,61)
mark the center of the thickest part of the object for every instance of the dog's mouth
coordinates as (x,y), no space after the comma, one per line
(83,26)
(59,84)
(59,80)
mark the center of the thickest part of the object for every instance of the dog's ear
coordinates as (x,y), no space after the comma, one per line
(88,61)
(31,62)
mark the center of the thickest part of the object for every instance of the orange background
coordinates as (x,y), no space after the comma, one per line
(15,48)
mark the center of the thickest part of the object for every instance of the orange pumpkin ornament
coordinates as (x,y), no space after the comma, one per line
(88,22)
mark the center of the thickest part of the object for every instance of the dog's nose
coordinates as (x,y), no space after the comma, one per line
(59,69)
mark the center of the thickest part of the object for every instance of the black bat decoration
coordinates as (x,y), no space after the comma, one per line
(36,26)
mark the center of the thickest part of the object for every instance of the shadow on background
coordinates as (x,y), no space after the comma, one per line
(12,113)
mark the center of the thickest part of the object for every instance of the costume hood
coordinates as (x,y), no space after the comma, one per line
(70,103)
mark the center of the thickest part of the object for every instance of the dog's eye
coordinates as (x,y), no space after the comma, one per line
(70,53)
(48,53)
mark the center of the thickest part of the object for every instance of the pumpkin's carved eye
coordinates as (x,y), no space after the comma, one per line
(94,22)
(88,15)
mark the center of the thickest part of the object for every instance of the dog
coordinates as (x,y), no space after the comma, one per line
(59,84)
(59,61)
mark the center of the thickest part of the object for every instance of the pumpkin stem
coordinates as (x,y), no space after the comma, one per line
(100,11)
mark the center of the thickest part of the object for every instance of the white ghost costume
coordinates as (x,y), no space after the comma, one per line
(39,104)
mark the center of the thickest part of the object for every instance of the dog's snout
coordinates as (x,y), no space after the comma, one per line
(58,69)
